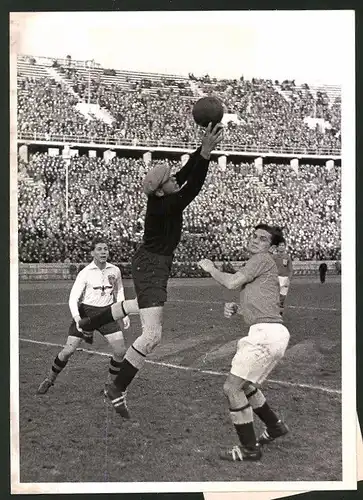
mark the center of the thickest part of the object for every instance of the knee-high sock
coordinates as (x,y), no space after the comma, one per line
(242,418)
(112,313)
(57,366)
(114,368)
(261,408)
(135,356)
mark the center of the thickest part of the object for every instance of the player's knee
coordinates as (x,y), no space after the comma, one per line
(118,352)
(229,389)
(117,343)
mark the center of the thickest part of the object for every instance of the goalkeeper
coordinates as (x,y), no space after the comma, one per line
(168,196)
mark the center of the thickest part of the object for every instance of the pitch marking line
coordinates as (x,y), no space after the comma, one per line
(189,302)
(287,306)
(198,370)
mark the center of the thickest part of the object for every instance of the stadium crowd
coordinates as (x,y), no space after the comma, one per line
(264,115)
(106,198)
(45,107)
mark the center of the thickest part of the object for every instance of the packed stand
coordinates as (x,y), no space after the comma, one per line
(272,114)
(106,198)
(46,107)
(268,115)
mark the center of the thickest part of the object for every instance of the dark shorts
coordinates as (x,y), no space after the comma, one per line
(90,311)
(150,273)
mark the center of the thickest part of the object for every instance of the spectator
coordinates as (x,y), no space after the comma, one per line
(269,116)
(107,198)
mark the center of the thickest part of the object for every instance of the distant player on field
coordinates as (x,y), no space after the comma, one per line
(323,268)
(168,196)
(96,287)
(284,267)
(258,352)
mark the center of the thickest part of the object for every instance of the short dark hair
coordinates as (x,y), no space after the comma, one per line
(275,231)
(97,240)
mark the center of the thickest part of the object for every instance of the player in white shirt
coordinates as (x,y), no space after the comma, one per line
(96,287)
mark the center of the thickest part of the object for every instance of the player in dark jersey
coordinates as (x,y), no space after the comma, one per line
(285,270)
(323,268)
(168,195)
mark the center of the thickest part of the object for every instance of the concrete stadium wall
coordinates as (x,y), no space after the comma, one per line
(305,267)
(68,271)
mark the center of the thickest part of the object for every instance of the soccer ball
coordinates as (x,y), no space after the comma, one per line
(207,109)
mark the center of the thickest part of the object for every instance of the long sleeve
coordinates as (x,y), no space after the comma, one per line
(120,296)
(184,172)
(194,183)
(76,293)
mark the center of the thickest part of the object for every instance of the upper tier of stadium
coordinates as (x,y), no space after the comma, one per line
(81,102)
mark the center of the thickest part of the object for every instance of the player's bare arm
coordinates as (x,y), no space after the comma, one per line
(228,280)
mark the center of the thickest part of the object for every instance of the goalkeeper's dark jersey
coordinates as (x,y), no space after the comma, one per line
(164,215)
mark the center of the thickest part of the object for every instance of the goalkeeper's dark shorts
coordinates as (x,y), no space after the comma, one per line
(150,273)
(90,311)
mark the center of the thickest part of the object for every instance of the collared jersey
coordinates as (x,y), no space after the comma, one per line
(260,295)
(96,287)
(283,263)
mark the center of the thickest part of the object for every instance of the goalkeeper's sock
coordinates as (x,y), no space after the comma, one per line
(94,323)
(133,361)
(114,369)
(118,310)
(125,375)
(112,313)
(261,408)
(57,366)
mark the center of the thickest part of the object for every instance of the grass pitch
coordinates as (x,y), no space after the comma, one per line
(179,414)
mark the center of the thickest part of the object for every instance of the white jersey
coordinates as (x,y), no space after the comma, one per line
(96,287)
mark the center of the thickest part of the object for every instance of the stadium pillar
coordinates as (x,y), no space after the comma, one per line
(294,162)
(53,151)
(222,162)
(23,153)
(329,165)
(109,155)
(184,159)
(259,165)
(66,152)
(147,157)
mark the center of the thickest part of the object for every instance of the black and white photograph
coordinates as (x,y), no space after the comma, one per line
(182,251)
